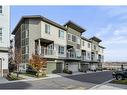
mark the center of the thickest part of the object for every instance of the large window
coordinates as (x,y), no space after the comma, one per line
(69,36)
(61,50)
(94,47)
(47,28)
(0,9)
(83,44)
(78,40)
(0,34)
(73,38)
(61,33)
(88,45)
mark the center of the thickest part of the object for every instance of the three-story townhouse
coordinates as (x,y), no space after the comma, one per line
(94,64)
(85,53)
(74,33)
(39,35)
(4,39)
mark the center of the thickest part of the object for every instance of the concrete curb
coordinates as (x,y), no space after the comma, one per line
(99,85)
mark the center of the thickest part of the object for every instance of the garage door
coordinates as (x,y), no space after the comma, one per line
(0,67)
(84,67)
(53,67)
(73,67)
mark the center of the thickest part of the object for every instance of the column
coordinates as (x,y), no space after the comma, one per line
(39,47)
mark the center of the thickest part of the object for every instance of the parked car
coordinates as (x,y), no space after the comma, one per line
(120,74)
(31,70)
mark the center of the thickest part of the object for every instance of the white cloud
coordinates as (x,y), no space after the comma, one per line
(115,10)
(104,30)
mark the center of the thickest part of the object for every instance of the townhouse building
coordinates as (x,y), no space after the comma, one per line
(85,53)
(60,45)
(4,38)
(96,53)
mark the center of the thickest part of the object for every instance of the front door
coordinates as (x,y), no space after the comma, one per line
(0,67)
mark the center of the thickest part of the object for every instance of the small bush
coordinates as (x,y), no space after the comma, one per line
(80,70)
(67,71)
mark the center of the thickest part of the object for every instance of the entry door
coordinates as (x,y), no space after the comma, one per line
(0,67)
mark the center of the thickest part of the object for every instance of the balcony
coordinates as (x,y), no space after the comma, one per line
(72,55)
(47,53)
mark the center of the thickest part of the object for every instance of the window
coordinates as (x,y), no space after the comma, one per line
(27,33)
(27,49)
(95,47)
(88,45)
(78,46)
(83,43)
(61,33)
(0,34)
(61,50)
(0,9)
(69,36)
(73,38)
(78,40)
(88,54)
(47,29)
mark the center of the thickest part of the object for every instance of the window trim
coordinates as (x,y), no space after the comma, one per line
(1,10)
(59,50)
(1,34)
(60,35)
(47,29)
(68,36)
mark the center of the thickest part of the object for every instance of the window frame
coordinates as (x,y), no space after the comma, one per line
(47,28)
(69,36)
(1,31)
(1,9)
(60,51)
(61,36)
(74,38)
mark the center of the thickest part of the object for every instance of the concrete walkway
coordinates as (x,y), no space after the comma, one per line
(3,80)
(111,86)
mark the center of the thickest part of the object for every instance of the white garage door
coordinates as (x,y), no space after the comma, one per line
(73,67)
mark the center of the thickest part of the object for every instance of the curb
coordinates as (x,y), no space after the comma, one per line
(99,85)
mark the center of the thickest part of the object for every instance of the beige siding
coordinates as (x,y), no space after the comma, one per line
(54,36)
(34,33)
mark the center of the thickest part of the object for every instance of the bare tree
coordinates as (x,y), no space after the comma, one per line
(18,59)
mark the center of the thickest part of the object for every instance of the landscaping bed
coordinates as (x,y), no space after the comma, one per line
(119,81)
(13,77)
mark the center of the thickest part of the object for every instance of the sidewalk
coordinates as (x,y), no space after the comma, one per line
(111,86)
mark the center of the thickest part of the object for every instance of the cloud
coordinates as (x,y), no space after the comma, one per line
(115,10)
(104,30)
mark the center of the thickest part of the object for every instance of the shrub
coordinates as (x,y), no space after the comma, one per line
(67,71)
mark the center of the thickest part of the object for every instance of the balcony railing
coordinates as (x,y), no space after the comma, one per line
(72,55)
(46,52)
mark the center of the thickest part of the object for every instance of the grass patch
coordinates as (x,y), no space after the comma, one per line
(13,77)
(119,81)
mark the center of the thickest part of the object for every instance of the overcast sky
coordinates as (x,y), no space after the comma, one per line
(109,23)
